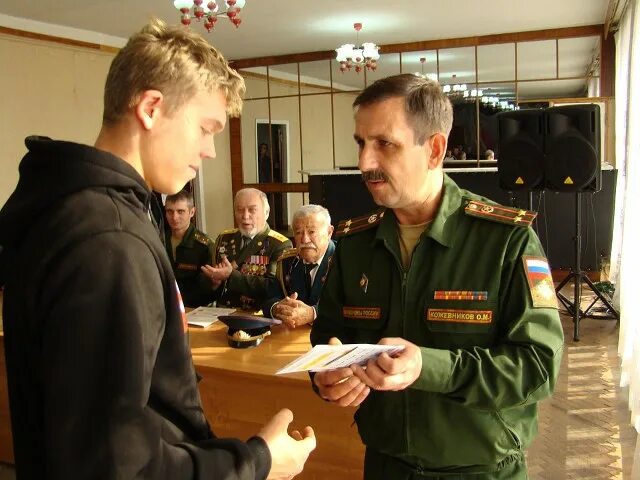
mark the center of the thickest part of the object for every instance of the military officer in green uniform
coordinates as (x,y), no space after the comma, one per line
(460,282)
(189,249)
(245,257)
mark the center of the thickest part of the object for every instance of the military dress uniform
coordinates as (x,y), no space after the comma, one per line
(254,266)
(478,299)
(194,251)
(291,275)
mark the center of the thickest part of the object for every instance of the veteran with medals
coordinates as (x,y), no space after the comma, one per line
(461,282)
(245,257)
(302,270)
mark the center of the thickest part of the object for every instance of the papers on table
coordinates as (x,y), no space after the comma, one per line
(331,357)
(206,316)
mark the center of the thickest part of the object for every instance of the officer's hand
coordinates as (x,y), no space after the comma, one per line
(218,273)
(294,312)
(392,373)
(341,386)
(288,452)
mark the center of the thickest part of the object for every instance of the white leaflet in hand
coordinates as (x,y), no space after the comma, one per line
(332,357)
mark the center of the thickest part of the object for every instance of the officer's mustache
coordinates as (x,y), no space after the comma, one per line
(309,246)
(374,175)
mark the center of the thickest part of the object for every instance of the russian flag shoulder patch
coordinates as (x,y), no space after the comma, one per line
(538,273)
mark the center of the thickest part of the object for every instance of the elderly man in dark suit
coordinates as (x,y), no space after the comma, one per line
(301,271)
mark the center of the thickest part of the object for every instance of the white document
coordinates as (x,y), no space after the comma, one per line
(331,357)
(205,316)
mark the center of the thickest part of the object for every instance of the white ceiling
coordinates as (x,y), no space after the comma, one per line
(276,27)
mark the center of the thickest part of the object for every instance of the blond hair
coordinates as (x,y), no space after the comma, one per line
(173,60)
(427,108)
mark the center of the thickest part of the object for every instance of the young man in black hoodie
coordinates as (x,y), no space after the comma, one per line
(101,381)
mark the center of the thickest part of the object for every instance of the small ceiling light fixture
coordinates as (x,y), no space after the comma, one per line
(350,55)
(209,12)
(455,89)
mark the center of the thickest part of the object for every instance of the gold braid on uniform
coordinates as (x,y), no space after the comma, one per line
(499,213)
(358,224)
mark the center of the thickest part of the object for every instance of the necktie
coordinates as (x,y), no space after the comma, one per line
(245,242)
(308,267)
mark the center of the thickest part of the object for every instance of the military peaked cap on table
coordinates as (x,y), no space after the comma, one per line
(247,331)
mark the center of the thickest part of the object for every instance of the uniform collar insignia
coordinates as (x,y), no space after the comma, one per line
(364,283)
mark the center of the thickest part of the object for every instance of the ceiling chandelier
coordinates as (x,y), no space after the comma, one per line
(209,12)
(350,55)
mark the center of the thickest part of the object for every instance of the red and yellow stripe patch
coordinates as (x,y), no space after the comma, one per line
(460,295)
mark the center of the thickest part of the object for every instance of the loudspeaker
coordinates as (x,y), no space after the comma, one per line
(572,148)
(520,149)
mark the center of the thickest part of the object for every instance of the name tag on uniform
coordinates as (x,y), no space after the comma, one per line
(186,266)
(362,313)
(459,316)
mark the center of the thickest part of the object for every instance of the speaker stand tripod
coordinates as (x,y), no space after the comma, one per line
(578,277)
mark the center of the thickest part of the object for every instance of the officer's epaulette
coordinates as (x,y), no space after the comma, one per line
(202,238)
(288,253)
(499,213)
(277,236)
(353,225)
(228,231)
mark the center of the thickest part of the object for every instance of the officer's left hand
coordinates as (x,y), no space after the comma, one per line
(392,373)
(293,312)
(218,273)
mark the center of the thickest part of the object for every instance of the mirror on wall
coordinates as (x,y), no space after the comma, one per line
(315,77)
(424,62)
(579,57)
(536,60)
(497,62)
(457,65)
(317,133)
(346,150)
(255,79)
(310,103)
(347,81)
(547,89)
(285,143)
(253,111)
(283,80)
(388,64)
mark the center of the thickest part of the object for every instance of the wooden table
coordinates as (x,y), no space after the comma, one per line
(240,393)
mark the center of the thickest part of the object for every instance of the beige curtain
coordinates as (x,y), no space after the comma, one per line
(626,253)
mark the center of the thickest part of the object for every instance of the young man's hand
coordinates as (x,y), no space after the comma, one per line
(288,452)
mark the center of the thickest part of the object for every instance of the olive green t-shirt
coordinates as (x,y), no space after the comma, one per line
(174,243)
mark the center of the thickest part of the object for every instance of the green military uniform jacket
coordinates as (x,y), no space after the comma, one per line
(485,317)
(194,251)
(254,266)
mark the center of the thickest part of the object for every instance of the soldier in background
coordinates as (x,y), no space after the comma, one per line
(188,249)
(245,257)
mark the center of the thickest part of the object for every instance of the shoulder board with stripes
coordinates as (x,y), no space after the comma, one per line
(288,253)
(277,236)
(499,213)
(358,224)
(228,231)
(202,238)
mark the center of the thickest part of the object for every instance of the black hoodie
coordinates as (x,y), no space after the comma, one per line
(101,382)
